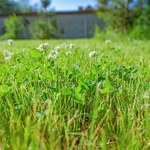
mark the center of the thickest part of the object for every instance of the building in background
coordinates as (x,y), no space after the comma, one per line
(72,24)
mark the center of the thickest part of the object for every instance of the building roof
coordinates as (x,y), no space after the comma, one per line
(56,13)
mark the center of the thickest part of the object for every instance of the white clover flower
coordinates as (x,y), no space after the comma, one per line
(66,46)
(49,57)
(58,48)
(10,42)
(68,53)
(146,94)
(107,41)
(54,52)
(43,47)
(63,45)
(93,54)
(52,55)
(7,55)
(145,106)
(7,58)
(71,46)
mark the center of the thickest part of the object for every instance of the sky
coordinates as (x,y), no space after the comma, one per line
(66,5)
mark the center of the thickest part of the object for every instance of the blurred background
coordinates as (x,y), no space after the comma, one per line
(46,19)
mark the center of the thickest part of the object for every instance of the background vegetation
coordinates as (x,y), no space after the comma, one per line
(126,17)
(43,28)
(13,27)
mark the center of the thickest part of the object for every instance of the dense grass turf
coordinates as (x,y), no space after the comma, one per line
(75,100)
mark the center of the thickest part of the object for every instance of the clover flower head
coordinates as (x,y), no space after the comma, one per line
(145,106)
(43,47)
(93,54)
(68,53)
(54,52)
(7,58)
(66,46)
(63,45)
(10,42)
(107,41)
(71,46)
(52,55)
(49,57)
(58,48)
(7,55)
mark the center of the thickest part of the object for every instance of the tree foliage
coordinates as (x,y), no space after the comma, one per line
(121,14)
(7,6)
(10,6)
(43,29)
(13,27)
(45,3)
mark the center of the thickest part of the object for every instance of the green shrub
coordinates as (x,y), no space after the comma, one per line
(13,27)
(141,27)
(43,29)
(108,34)
(98,32)
(140,32)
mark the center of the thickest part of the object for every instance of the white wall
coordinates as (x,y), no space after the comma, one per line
(74,25)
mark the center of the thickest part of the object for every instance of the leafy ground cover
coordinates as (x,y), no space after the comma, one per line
(75,94)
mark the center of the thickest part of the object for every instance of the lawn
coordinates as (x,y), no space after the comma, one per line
(75,94)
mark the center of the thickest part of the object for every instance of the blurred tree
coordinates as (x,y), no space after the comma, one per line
(45,4)
(45,27)
(10,6)
(24,6)
(141,26)
(13,27)
(120,14)
(7,6)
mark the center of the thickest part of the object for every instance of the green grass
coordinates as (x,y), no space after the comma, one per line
(76,102)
